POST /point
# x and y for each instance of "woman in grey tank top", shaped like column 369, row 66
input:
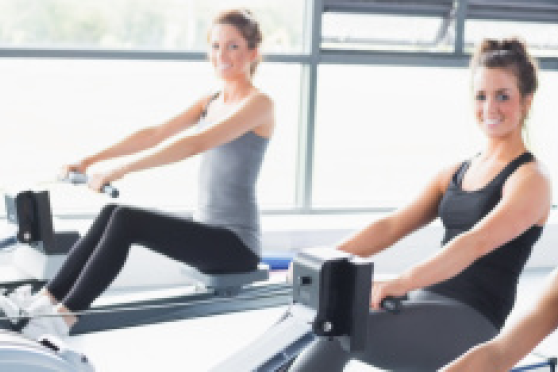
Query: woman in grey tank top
column 234, row 129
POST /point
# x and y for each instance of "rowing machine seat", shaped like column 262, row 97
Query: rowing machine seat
column 228, row 284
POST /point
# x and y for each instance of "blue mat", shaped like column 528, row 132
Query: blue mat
column 278, row 260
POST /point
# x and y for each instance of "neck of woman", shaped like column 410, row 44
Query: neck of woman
column 236, row 90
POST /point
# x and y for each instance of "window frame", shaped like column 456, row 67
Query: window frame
column 313, row 55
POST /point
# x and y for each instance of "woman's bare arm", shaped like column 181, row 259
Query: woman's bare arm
column 517, row 339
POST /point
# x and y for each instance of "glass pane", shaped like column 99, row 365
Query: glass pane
column 542, row 128
column 383, row 32
column 542, row 38
column 391, row 131
column 141, row 24
column 57, row 111
column 277, row 182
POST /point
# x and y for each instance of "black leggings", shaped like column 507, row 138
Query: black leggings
column 98, row 257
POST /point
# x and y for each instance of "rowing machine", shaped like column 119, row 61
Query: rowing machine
column 41, row 251
column 331, row 292
column 48, row 354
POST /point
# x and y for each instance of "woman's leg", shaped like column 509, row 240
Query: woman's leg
column 60, row 285
column 208, row 248
column 430, row 331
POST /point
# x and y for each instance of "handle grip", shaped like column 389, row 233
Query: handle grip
column 77, row 178
column 392, row 304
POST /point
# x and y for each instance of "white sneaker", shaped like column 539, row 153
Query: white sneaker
column 39, row 305
column 47, row 321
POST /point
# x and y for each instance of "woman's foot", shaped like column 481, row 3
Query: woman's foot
column 34, row 317
column 44, row 318
column 48, row 324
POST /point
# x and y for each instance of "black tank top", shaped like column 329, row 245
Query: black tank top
column 489, row 284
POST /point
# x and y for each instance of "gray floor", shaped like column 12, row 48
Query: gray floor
column 198, row 344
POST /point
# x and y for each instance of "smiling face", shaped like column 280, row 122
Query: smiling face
column 230, row 55
column 500, row 108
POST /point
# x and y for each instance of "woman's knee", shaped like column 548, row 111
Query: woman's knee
column 102, row 219
column 108, row 209
column 122, row 214
column 121, row 224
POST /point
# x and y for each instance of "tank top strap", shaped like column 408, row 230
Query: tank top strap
column 526, row 157
column 460, row 172
column 211, row 99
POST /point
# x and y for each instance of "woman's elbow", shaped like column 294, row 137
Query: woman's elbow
column 197, row 147
column 480, row 243
column 152, row 136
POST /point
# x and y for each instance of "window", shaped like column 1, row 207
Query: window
column 79, row 75
column 140, row 24
column 384, row 32
column 394, row 129
column 399, row 126
column 57, row 111
column 541, row 124
column 542, row 38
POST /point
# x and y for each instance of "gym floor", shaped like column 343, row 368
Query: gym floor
column 198, row 344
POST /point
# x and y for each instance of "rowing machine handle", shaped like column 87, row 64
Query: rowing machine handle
column 77, row 178
column 392, row 304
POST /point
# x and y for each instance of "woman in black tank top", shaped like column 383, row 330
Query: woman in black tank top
column 493, row 208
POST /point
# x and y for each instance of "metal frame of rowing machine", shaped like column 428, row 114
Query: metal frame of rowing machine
column 221, row 293
column 331, row 291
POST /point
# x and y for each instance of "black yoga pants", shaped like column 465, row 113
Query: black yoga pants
column 97, row 258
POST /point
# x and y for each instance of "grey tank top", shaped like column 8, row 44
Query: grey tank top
column 227, row 186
